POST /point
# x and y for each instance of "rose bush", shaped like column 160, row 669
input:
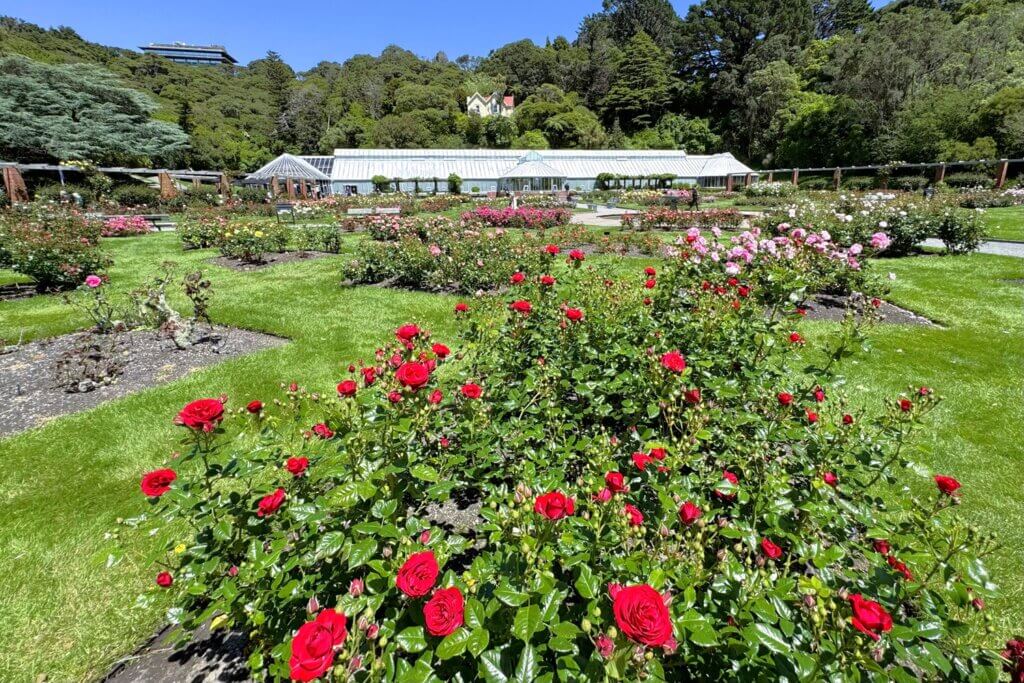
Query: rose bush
column 669, row 219
column 54, row 246
column 250, row 242
column 651, row 507
column 122, row 226
column 522, row 217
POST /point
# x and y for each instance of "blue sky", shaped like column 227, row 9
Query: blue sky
column 304, row 33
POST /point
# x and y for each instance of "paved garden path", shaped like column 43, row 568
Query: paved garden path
column 993, row 247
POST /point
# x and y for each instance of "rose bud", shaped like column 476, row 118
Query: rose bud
column 313, row 606
column 355, row 587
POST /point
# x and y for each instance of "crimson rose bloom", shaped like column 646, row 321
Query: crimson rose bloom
column 522, row 306
column 899, row 567
column 313, row 645
column 254, row 407
column 641, row 460
column 785, row 398
column 947, row 485
column 847, row 419
column 323, row 431
column 692, row 396
column 552, row 249
column 471, row 390
column 203, row 415
column 636, row 518
column 732, row 479
column 576, row 256
column 770, row 549
column 674, row 361
column 795, row 338
column 547, row 280
column 650, row 284
column 689, row 513
column 554, row 505
column 649, row 271
column 369, row 375
column 443, row 613
column 830, row 478
column 164, row 579
column 615, row 481
column 1014, row 654
column 516, row 278
column 435, row 396
column 461, row 308
column 869, row 617
column 347, row 388
column 882, row 546
column 641, row 615
column 905, row 405
column 158, row 482
column 270, row 503
column 413, row 375
column 440, row 350
column 418, row 575
column 574, row 314
column 408, row 332
column 296, row 465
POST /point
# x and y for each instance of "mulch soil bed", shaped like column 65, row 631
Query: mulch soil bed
column 29, row 395
column 268, row 260
column 827, row 307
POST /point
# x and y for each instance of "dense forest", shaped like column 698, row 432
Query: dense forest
column 778, row 83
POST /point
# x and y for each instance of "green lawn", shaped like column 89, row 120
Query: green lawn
column 66, row 615
column 1005, row 223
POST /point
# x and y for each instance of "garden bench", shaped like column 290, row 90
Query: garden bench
column 389, row 211
column 284, row 208
column 159, row 221
column 359, row 212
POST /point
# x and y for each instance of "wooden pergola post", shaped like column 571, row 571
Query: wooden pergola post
column 302, row 187
column 940, row 173
column 168, row 190
column 796, row 176
column 1004, row 166
column 837, row 177
column 747, row 179
column 289, row 188
column 275, row 189
column 225, row 186
column 771, row 176
column 728, row 183
column 14, row 185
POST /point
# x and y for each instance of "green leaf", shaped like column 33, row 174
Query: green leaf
column 412, row 639
column 526, row 670
column 424, row 472
column 769, row 637
column 454, row 644
column 361, row 553
column 330, row 544
column 474, row 614
column 510, row 596
column 587, row 583
column 490, row 667
column 526, row 622
column 477, row 642
column 421, row 673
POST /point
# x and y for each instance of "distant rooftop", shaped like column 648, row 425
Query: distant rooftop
column 186, row 53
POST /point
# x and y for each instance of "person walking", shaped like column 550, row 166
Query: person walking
column 695, row 199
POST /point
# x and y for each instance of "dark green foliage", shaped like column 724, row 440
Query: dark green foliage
column 135, row 195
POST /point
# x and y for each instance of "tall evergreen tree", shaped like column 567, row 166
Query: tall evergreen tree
column 641, row 91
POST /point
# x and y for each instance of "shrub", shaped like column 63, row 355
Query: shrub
column 250, row 242
column 454, row 183
column 774, row 189
column 861, row 183
column 201, row 196
column 909, row 183
column 962, row 231
column 522, row 217
column 54, row 246
column 817, row 183
column 666, row 494
column 668, row 219
column 250, row 195
column 125, row 226
column 52, row 192
column 968, row 179
column 200, row 232
column 320, row 238
column 135, row 195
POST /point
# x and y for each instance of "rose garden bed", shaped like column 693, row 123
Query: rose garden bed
column 30, row 395
column 267, row 260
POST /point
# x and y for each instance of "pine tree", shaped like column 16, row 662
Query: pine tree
column 641, row 92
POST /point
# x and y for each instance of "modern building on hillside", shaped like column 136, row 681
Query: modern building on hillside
column 495, row 170
column 491, row 105
column 183, row 53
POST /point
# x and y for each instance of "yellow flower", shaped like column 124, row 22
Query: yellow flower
column 218, row 621
column 180, row 548
column 259, row 233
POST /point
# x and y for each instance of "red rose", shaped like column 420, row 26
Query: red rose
column 554, row 505
column 770, row 549
column 732, row 479
column 369, row 376
column 296, row 465
column 435, row 396
column 689, row 513
column 795, row 338
column 443, row 613
column 604, row 645
column 407, row 333
column 471, row 390
column 882, row 546
column 647, row 301
column 347, row 387
column 899, row 567
column 649, row 271
column 202, row 415
column 254, row 407
column 418, row 575
column 615, row 481
column 947, row 485
column 869, row 617
column 830, row 478
column 441, row 351
column 522, row 306
column 657, row 453
column 636, row 518
column 461, row 308
column 785, row 398
column 819, row 394
column 692, row 396
column 576, row 256
column 270, row 503
column 516, row 278
column 650, row 284
column 604, row 495
column 847, row 419
column 413, row 375
column 641, row 614
column 1014, row 656
column 812, row 416
column 574, row 314
column 164, row 579
column 743, row 291
column 641, row 460
column 924, row 391
column 314, row 643
column 552, row 249
column 158, row 482
column 547, row 280
column 395, row 396
column 905, row 405
column 674, row 361
column 323, row 431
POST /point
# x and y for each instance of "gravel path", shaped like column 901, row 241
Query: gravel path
column 993, row 247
